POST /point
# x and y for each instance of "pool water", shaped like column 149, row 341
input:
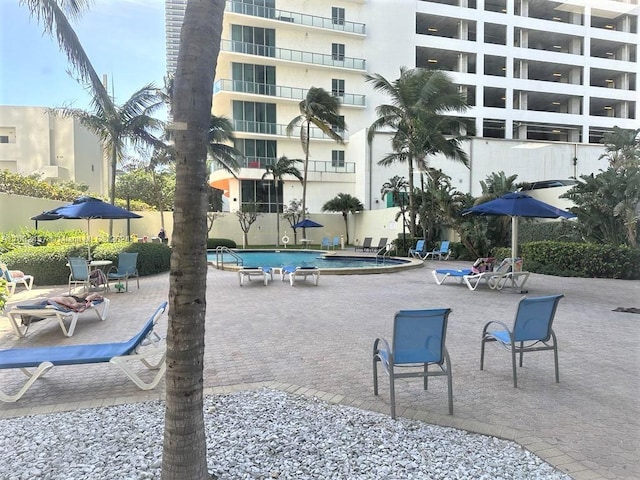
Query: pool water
column 300, row 258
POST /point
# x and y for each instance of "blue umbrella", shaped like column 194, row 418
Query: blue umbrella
column 517, row 205
column 307, row 223
column 86, row 208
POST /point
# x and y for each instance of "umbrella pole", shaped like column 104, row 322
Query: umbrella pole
column 89, row 239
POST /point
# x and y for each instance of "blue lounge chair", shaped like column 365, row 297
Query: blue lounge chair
column 14, row 280
column 336, row 242
column 20, row 315
column 441, row 274
column 418, row 341
column 442, row 253
column 325, row 243
column 247, row 272
column 120, row 354
column 127, row 268
column 418, row 250
column 531, row 331
column 300, row 273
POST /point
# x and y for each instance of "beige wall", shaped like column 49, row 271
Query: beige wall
column 16, row 211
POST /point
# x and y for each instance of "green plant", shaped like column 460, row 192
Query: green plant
column 4, row 293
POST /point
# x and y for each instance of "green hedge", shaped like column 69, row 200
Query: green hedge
column 48, row 263
column 588, row 260
column 212, row 243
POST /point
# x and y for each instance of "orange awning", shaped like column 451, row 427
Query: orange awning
column 221, row 185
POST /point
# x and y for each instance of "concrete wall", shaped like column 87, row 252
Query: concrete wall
column 16, row 211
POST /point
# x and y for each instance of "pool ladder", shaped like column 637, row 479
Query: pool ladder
column 384, row 253
column 220, row 252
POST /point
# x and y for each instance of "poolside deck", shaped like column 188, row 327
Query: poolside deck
column 317, row 341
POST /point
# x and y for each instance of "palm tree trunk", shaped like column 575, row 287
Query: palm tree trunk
column 412, row 209
column 345, row 215
column 306, row 172
column 277, row 216
column 184, row 450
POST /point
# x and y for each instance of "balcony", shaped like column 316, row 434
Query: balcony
column 292, row 93
column 289, row 55
column 296, row 18
column 316, row 166
column 277, row 129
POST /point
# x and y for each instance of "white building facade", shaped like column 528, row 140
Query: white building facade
column 33, row 140
column 545, row 80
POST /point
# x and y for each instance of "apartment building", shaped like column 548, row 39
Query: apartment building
column 33, row 140
column 545, row 80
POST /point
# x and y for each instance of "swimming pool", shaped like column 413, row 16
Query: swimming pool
column 331, row 262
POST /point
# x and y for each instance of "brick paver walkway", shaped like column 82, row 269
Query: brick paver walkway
column 318, row 341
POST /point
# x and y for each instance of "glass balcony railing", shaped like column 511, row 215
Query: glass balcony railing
column 296, row 18
column 293, row 55
column 278, row 129
column 314, row 165
column 293, row 93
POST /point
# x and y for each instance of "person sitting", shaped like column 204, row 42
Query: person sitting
column 162, row 235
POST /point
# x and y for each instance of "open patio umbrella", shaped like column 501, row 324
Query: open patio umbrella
column 86, row 208
column 307, row 223
column 517, row 205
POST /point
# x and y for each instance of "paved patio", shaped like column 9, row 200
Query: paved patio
column 317, row 341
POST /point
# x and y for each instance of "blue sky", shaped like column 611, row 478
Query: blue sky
column 123, row 39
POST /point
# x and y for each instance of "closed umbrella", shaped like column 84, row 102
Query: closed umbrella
column 86, row 208
column 517, row 205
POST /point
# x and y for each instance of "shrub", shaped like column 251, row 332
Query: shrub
column 562, row 231
column 212, row 243
column 48, row 264
column 579, row 259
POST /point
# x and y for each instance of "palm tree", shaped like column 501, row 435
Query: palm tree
column 319, row 108
column 622, row 147
column 345, row 204
column 494, row 186
column 419, row 115
column 284, row 166
column 220, row 135
column 184, row 451
column 130, row 122
column 397, row 187
column 54, row 16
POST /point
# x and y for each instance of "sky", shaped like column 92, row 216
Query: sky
column 124, row 39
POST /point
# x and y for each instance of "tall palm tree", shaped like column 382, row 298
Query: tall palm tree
column 321, row 109
column 622, row 147
column 184, row 452
column 397, row 187
column 345, row 204
column 284, row 166
column 419, row 114
column 131, row 122
column 494, row 186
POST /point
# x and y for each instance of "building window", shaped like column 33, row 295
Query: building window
column 337, row 158
column 254, row 117
column 4, row 138
column 339, row 128
column 337, row 87
column 253, row 40
column 262, row 193
column 337, row 15
column 337, row 51
column 257, row 153
column 250, row 78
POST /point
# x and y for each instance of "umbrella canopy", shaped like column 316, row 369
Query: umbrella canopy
column 306, row 223
column 86, row 208
column 517, row 205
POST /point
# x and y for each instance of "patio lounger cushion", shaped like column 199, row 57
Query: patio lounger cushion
column 117, row 353
column 22, row 315
column 247, row 272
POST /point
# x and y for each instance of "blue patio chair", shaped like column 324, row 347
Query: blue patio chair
column 336, row 242
column 531, row 331
column 418, row 341
column 127, row 268
column 325, row 243
column 418, row 250
column 442, row 253
column 80, row 274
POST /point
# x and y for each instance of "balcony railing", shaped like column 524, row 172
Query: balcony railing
column 293, row 93
column 293, row 55
column 296, row 18
column 278, row 129
column 319, row 166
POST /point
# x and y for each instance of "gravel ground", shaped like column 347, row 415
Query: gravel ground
column 263, row 434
